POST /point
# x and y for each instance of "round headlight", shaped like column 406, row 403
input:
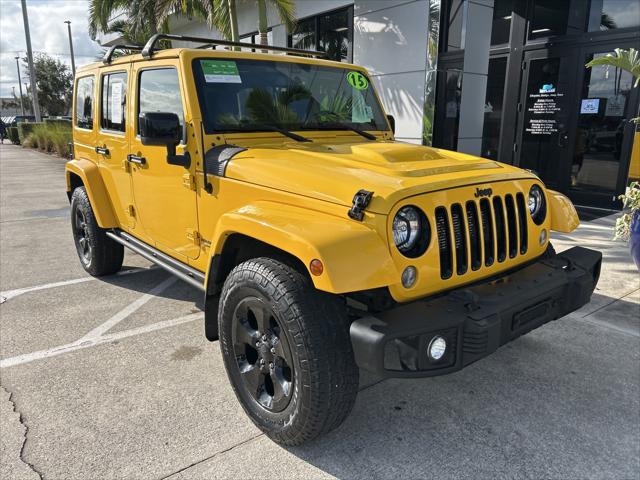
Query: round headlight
column 410, row 231
column 537, row 206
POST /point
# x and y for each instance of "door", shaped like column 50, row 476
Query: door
column 84, row 133
column 604, row 138
column 546, row 114
column 165, row 195
column 112, row 143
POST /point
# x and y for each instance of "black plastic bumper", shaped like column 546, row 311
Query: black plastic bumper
column 475, row 320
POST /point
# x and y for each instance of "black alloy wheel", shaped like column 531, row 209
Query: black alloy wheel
column 263, row 355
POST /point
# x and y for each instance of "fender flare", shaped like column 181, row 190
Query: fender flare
column 92, row 180
column 354, row 255
column 564, row 217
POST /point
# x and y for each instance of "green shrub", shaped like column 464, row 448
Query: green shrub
column 12, row 134
column 54, row 138
column 25, row 128
column 57, row 121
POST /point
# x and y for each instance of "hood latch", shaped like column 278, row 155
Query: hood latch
column 360, row 201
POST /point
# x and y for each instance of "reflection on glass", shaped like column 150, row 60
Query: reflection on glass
column 493, row 107
column 546, row 118
column 557, row 17
column 449, row 118
column 160, row 92
column 258, row 95
column 501, row 25
column 113, row 102
column 84, row 103
column 612, row 14
column 304, row 36
column 333, row 35
column 597, row 153
column 456, row 24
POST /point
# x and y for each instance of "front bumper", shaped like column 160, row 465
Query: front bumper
column 476, row 320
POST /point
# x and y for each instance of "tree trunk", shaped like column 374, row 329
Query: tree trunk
column 262, row 22
column 233, row 20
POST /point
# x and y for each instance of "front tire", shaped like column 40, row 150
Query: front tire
column 287, row 351
column 98, row 254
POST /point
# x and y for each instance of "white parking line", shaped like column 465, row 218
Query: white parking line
column 83, row 343
column 9, row 294
column 129, row 309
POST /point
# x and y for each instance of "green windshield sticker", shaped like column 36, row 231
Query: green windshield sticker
column 357, row 80
column 220, row 71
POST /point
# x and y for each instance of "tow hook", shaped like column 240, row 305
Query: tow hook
column 360, row 201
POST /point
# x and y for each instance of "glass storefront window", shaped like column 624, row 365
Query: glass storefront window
column 612, row 14
column 456, row 13
column 333, row 35
column 449, row 118
column 501, row 25
column 601, row 123
column 550, row 18
column 330, row 32
column 493, row 107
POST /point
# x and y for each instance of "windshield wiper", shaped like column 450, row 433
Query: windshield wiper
column 283, row 131
column 343, row 126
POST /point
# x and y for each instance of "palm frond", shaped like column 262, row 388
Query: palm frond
column 627, row 60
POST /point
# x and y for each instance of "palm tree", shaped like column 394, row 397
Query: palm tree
column 286, row 10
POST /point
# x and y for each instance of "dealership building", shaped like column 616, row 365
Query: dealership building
column 503, row 79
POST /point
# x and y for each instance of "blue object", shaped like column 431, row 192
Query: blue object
column 634, row 238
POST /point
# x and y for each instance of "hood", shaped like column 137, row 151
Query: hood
column 392, row 170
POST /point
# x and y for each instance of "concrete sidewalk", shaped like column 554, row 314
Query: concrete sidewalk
column 149, row 398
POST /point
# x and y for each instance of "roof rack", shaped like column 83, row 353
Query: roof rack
column 148, row 49
column 107, row 56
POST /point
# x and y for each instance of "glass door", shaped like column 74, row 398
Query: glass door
column 545, row 138
column 604, row 133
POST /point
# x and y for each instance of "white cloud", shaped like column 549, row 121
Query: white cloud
column 48, row 34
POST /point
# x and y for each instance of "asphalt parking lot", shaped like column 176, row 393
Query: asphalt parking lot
column 113, row 378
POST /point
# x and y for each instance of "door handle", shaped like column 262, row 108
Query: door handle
column 137, row 160
column 102, row 150
column 563, row 139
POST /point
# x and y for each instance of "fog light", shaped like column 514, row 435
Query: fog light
column 437, row 347
column 409, row 276
column 543, row 236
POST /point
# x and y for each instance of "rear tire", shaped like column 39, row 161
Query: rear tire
column 287, row 351
column 98, row 254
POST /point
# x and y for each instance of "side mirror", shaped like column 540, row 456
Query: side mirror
column 392, row 122
column 163, row 129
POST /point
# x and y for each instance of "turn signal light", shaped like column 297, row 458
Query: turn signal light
column 316, row 267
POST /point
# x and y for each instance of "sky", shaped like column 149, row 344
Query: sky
column 48, row 34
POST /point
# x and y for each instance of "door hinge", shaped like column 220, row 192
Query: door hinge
column 131, row 211
column 519, row 107
column 189, row 181
column 524, row 65
column 194, row 236
column 515, row 147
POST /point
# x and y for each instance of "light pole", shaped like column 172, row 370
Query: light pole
column 32, row 70
column 73, row 62
column 20, row 85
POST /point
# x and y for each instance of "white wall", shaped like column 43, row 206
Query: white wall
column 390, row 40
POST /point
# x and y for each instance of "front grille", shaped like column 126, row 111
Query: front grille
column 482, row 231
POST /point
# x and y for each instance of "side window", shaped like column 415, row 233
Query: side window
column 114, row 92
column 160, row 92
column 84, row 103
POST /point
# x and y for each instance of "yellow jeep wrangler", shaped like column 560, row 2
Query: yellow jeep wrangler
column 273, row 183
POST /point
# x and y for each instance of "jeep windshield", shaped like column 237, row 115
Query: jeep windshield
column 257, row 95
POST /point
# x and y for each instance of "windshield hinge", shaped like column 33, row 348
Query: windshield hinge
column 189, row 181
column 360, row 201
column 194, row 236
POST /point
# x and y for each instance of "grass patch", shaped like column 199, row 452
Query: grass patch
column 50, row 137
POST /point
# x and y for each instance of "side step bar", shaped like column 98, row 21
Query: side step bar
column 184, row 272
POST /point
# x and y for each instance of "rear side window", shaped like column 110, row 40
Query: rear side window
column 113, row 111
column 160, row 92
column 84, row 103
